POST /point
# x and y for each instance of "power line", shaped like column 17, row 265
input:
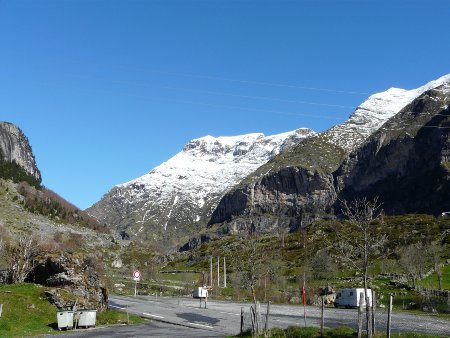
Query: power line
column 213, row 77
column 262, row 83
column 269, row 98
column 202, row 103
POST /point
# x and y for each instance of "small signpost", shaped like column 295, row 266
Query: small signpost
column 137, row 278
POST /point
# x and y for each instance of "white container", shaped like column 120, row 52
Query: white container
column 87, row 317
column 65, row 319
column 200, row 293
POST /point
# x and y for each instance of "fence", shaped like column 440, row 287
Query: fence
column 282, row 317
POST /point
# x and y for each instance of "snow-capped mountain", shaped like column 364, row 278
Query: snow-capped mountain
column 185, row 190
column 181, row 194
column 374, row 112
column 302, row 184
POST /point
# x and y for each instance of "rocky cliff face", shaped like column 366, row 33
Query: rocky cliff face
column 177, row 198
column 304, row 183
column 14, row 147
column 406, row 163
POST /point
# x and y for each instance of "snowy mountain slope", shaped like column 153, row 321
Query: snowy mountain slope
column 185, row 190
column 297, row 186
column 375, row 111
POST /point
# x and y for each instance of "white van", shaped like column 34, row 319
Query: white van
column 349, row 297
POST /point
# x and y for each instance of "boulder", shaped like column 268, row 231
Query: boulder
column 73, row 279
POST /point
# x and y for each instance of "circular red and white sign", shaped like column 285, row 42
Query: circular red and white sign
column 136, row 274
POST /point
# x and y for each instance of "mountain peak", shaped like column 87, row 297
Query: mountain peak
column 370, row 115
column 185, row 189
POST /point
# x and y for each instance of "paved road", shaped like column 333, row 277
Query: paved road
column 150, row 329
column 223, row 318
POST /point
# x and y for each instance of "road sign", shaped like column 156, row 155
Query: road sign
column 136, row 275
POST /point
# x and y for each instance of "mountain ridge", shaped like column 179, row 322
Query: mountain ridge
column 184, row 189
column 290, row 196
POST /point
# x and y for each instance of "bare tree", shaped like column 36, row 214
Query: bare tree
column 360, row 241
column 253, row 266
column 250, row 264
column 20, row 257
column 414, row 262
column 322, row 264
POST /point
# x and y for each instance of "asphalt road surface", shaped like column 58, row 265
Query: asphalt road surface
column 222, row 318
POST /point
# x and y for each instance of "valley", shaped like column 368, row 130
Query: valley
column 277, row 208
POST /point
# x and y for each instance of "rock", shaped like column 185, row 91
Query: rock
column 328, row 290
column 14, row 146
column 295, row 300
column 117, row 263
column 430, row 309
column 71, row 282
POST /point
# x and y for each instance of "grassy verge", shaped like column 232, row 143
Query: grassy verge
column 112, row 317
column 339, row 332
column 26, row 312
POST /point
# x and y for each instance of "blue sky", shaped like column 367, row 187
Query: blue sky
column 107, row 90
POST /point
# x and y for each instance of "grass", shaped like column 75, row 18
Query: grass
column 339, row 332
column 112, row 317
column 26, row 312
column 432, row 282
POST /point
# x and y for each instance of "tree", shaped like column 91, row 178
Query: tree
column 360, row 240
column 322, row 264
column 414, row 262
column 20, row 256
column 252, row 266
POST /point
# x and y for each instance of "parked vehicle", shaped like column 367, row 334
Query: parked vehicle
column 349, row 297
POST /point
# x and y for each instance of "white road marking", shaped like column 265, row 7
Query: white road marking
column 117, row 307
column 229, row 313
column 149, row 314
column 209, row 327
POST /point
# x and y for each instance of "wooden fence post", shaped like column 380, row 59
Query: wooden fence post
column 266, row 325
column 374, row 305
column 254, row 320
column 322, row 319
column 258, row 318
column 360, row 314
column 388, row 329
column 242, row 320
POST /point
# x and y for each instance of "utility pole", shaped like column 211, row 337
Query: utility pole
column 210, row 271
column 224, row 273
column 218, row 272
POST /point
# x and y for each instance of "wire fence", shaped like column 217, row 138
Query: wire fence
column 396, row 322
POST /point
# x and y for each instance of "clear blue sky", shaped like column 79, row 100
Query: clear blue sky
column 107, row 90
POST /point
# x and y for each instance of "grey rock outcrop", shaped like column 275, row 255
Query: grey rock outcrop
column 72, row 279
column 285, row 199
column 14, row 146
column 406, row 163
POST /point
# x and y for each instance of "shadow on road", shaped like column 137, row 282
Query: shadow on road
column 195, row 317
